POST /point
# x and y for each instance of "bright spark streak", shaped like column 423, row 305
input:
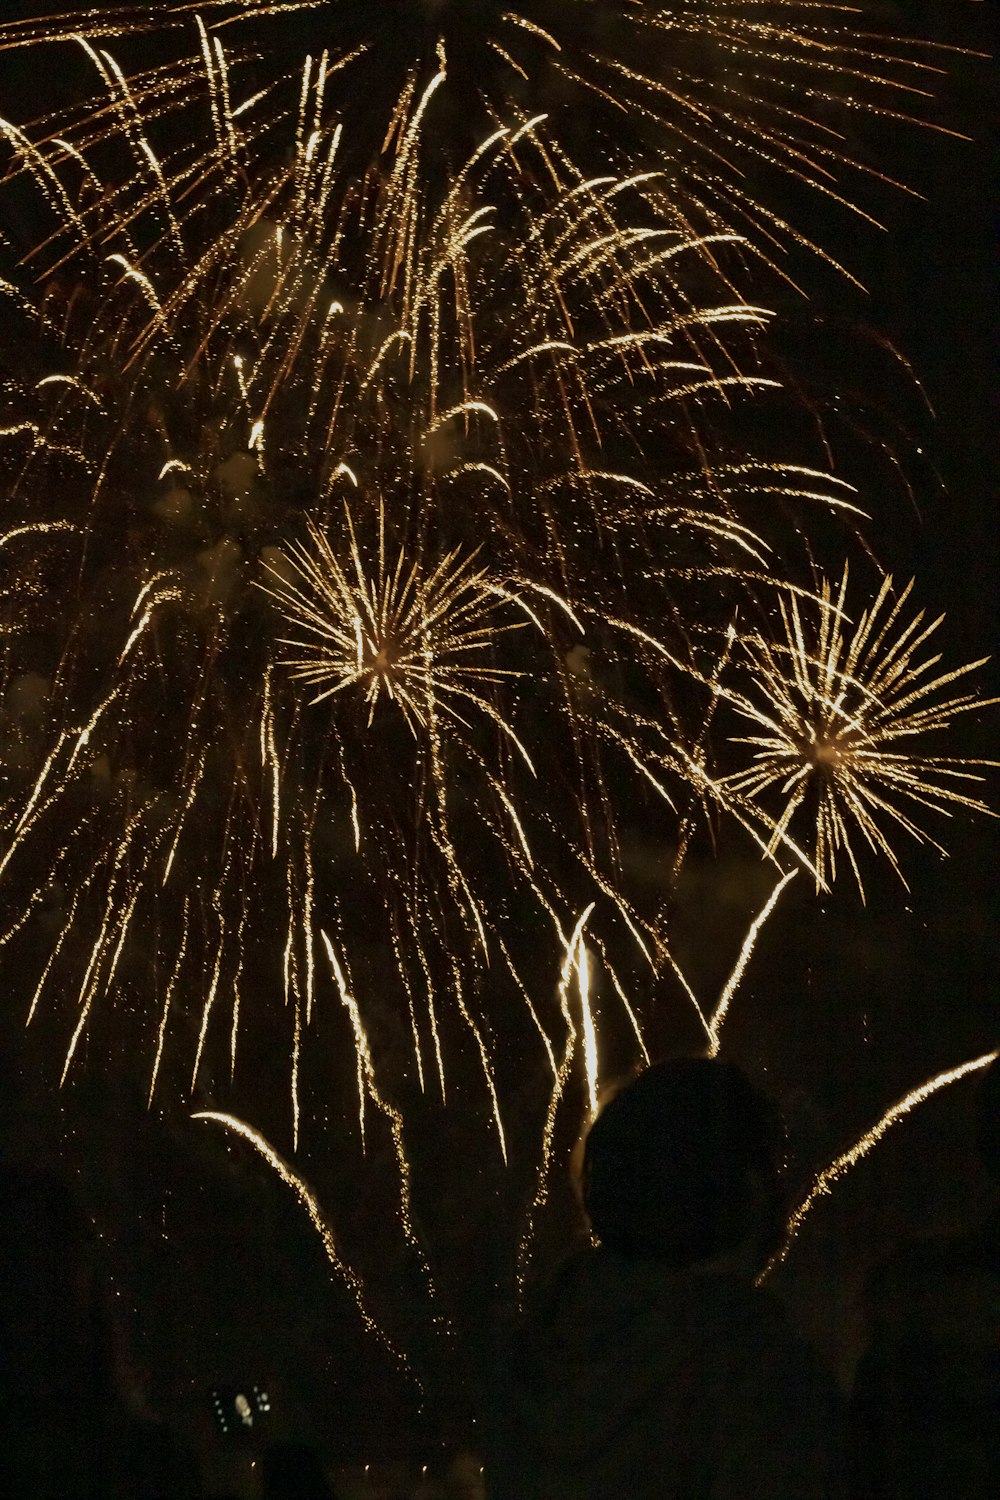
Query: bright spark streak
column 581, row 964
column 569, row 969
column 131, row 274
column 174, row 466
column 73, row 383
column 842, row 1164
column 213, row 988
column 739, row 969
column 307, row 1198
column 162, row 1029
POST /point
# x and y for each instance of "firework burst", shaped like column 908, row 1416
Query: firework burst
column 832, row 702
column 371, row 526
column 517, row 375
column 234, row 376
column 417, row 636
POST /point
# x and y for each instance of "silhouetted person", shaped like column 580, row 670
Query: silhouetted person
column 926, row 1405
column 55, row 1366
column 652, row 1366
column 293, row 1471
column 66, row 1433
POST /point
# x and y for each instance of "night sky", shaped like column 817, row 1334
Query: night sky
column 845, row 1007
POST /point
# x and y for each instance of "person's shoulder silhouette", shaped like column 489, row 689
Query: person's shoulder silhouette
column 653, row 1366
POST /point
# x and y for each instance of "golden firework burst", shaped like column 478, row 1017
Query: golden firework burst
column 831, row 702
column 417, row 634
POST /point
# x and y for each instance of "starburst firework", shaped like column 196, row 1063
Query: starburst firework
column 832, row 702
column 418, row 636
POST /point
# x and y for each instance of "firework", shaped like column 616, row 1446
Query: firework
column 419, row 640
column 832, row 701
column 342, row 452
column 315, row 483
column 825, row 1180
column 727, row 99
column 373, row 527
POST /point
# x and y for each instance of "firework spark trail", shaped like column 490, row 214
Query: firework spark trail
column 307, row 1198
column 721, row 1010
column 581, row 965
column 571, row 967
column 167, row 997
column 121, row 898
column 367, row 1083
column 825, row 1180
column 626, row 1003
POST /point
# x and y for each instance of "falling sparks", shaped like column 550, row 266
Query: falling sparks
column 729, row 90
column 574, row 967
column 307, row 1198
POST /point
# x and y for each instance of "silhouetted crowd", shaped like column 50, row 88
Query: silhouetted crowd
column 656, row 1365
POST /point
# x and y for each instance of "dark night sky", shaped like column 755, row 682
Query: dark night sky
column 844, row 1008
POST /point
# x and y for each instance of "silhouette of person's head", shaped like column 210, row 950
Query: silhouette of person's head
column 988, row 1125
column 684, row 1164
column 293, row 1471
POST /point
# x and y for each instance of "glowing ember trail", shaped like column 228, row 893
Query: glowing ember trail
column 308, row 1200
column 838, row 1168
